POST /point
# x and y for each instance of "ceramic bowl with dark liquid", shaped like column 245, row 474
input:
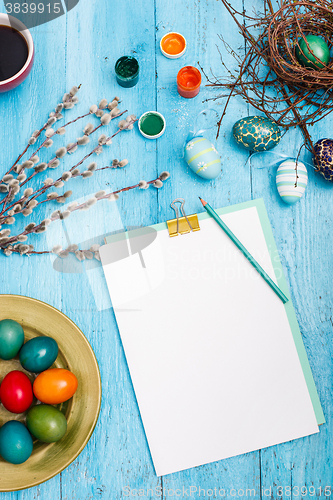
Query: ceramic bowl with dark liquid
column 16, row 52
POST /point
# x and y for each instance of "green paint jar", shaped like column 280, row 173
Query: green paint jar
column 152, row 124
column 127, row 71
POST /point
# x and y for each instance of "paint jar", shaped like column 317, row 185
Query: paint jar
column 127, row 71
column 188, row 81
column 152, row 124
column 173, row 45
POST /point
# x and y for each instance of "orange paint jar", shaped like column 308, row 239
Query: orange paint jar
column 188, row 81
column 173, row 45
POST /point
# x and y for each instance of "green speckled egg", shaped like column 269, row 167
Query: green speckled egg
column 256, row 133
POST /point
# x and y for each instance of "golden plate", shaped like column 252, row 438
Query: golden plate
column 75, row 354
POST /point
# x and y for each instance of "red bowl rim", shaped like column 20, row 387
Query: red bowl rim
column 7, row 20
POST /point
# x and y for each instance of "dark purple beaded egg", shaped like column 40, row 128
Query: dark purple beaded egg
column 323, row 160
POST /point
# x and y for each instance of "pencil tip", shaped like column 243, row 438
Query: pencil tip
column 200, row 198
column 203, row 201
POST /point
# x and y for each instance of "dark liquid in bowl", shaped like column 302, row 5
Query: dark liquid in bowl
column 13, row 52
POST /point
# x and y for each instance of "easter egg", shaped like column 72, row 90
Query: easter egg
column 46, row 423
column 318, row 47
column 55, row 386
column 38, row 354
column 16, row 392
column 256, row 133
column 323, row 160
column 11, row 338
column 202, row 158
column 15, row 442
column 291, row 180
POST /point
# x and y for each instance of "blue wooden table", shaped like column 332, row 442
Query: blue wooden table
column 81, row 48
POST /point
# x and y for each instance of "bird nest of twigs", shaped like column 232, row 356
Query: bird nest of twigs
column 286, row 28
column 270, row 76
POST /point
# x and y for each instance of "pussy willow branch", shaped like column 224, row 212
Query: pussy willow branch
column 74, row 145
column 97, row 147
column 56, row 133
column 42, row 190
column 67, row 99
column 14, row 239
column 70, row 98
column 56, row 115
column 15, row 250
column 60, row 196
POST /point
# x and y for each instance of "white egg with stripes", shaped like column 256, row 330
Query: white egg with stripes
column 291, row 180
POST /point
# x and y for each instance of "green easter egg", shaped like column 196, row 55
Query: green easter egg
column 11, row 338
column 319, row 48
column 46, row 423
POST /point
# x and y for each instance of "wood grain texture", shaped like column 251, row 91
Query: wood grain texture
column 81, row 48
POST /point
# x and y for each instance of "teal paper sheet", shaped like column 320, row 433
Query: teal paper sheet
column 267, row 230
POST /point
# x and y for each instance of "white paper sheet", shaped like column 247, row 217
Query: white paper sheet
column 208, row 344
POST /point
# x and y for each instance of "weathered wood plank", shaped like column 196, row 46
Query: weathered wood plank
column 82, row 47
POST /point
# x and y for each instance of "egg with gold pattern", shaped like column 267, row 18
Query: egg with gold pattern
column 256, row 133
column 323, row 160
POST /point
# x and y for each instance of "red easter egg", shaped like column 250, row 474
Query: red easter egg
column 16, row 392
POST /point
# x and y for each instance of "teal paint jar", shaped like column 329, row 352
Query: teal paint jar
column 152, row 124
column 127, row 71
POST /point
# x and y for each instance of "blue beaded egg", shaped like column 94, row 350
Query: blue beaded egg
column 291, row 180
column 323, row 160
column 256, row 133
column 202, row 158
